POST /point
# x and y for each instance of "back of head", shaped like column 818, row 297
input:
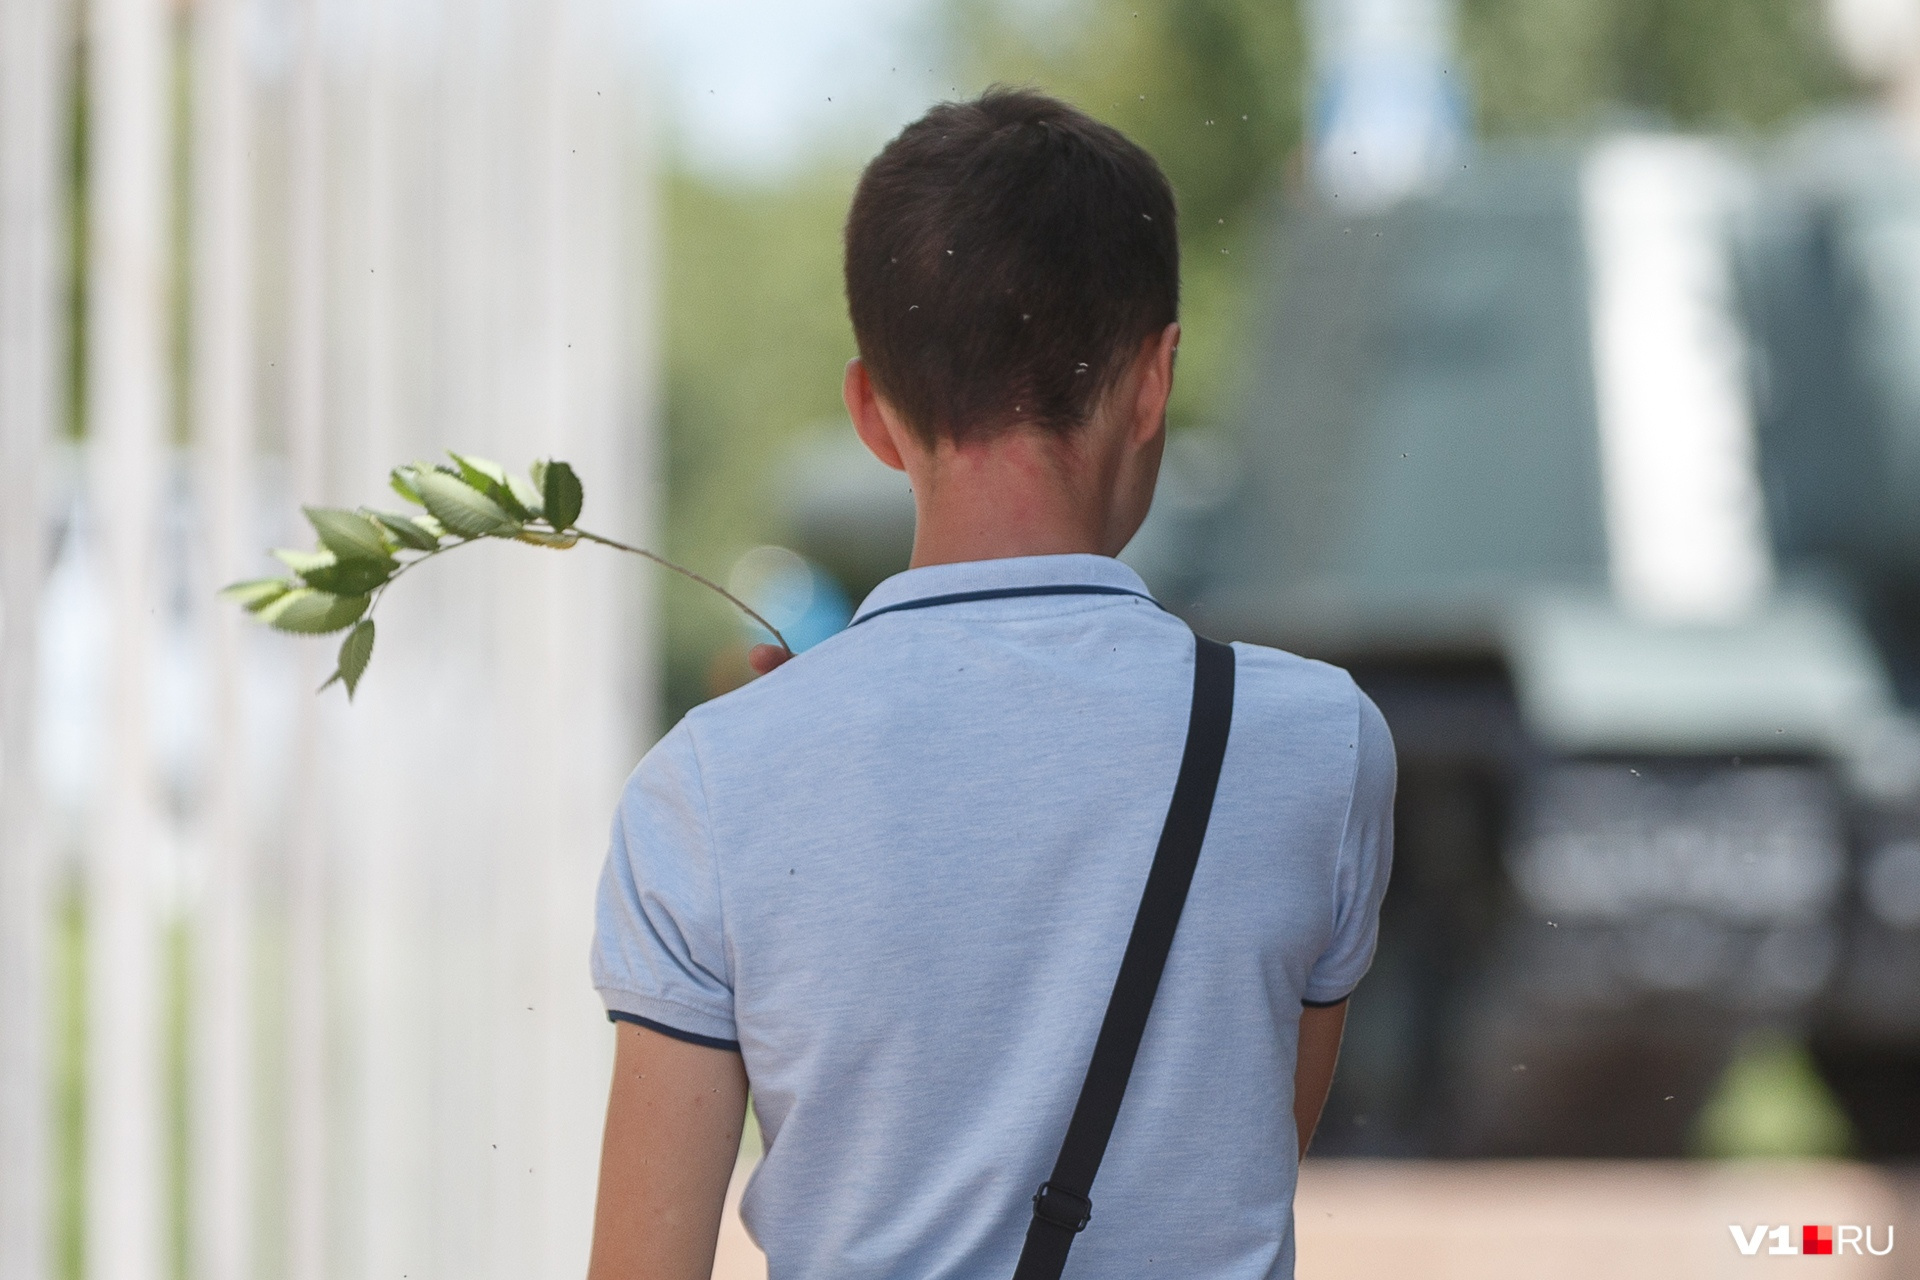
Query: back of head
column 1005, row 259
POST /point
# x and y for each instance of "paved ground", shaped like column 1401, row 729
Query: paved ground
column 1556, row 1220
column 1570, row 1220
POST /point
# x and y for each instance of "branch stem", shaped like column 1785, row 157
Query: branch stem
column 584, row 536
column 405, row 565
column 706, row 582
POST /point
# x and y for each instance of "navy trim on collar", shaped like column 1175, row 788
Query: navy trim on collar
column 1004, row 593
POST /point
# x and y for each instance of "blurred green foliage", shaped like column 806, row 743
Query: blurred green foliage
column 756, row 339
column 1772, row 1103
column 756, row 333
column 1716, row 64
column 69, row 1182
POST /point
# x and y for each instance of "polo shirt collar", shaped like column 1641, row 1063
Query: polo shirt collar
column 995, row 575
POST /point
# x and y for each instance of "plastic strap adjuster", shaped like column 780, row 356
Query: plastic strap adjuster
column 1062, row 1208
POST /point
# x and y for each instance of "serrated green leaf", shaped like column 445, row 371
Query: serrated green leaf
column 541, row 538
column 349, row 535
column 490, row 478
column 401, row 479
column 562, row 495
column 257, row 593
column 306, row 611
column 477, row 471
column 538, row 470
column 304, row 562
column 461, row 508
column 270, row 612
column 408, row 531
column 350, row 577
column 433, row 528
column 527, row 495
column 508, row 503
column 355, row 650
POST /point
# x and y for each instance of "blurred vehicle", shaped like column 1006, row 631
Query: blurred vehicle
column 1531, row 455
column 1522, row 455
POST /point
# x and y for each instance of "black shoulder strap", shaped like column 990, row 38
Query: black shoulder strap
column 1063, row 1206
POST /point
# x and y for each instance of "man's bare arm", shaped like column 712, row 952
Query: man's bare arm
column 673, row 1132
column 1320, row 1031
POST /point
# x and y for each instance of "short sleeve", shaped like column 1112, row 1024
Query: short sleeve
column 1365, row 860
column 659, row 945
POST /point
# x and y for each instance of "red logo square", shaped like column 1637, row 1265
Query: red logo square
column 1816, row 1240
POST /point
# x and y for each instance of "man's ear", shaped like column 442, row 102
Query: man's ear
column 869, row 419
column 1156, row 382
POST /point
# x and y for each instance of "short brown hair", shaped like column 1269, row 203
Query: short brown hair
column 1005, row 258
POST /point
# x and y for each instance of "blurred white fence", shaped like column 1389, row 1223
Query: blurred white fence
column 402, row 226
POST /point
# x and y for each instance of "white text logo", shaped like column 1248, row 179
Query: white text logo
column 1810, row 1241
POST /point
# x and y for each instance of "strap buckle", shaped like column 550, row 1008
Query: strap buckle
column 1062, row 1208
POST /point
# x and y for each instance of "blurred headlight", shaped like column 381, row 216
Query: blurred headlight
column 1613, row 842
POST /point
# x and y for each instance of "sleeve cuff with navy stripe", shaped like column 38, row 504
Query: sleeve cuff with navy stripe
column 681, row 1019
column 710, row 1042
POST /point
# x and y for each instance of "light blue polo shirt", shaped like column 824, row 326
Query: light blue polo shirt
column 898, row 874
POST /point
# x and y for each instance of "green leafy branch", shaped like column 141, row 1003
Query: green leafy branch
column 362, row 553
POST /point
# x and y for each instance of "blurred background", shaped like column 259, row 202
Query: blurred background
column 1554, row 365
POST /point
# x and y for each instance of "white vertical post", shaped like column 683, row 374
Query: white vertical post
column 126, row 380
column 587, row 653
column 306, row 1081
column 33, row 52
column 221, row 1062
column 393, row 1221
column 473, row 208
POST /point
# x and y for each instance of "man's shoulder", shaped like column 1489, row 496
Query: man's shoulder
column 1269, row 679
column 811, row 703
column 1307, row 704
column 805, row 694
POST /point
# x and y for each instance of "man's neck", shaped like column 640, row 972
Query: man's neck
column 1018, row 495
